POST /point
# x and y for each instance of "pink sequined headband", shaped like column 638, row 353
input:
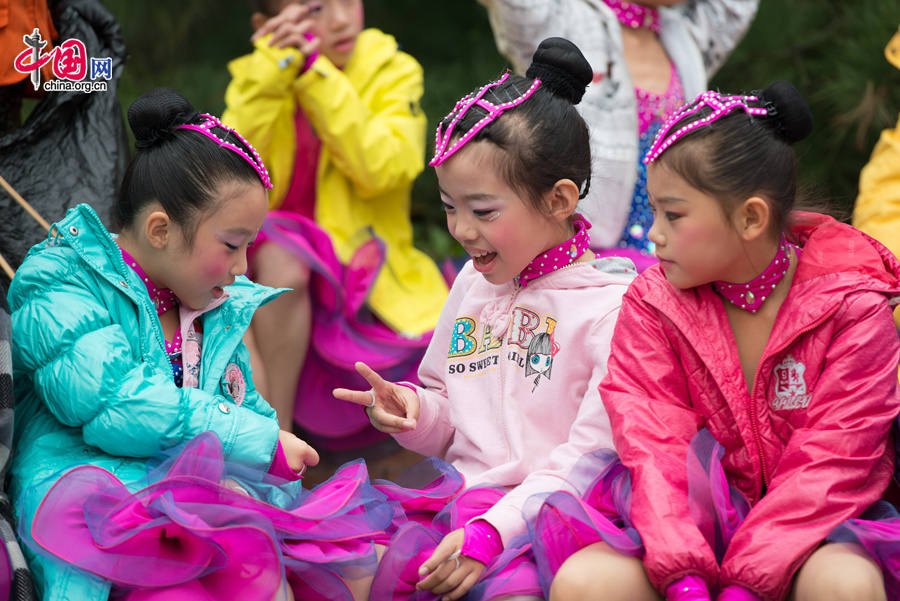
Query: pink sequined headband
column 205, row 128
column 442, row 138
column 721, row 106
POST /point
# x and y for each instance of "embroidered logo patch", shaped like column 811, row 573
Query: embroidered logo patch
column 234, row 383
column 790, row 387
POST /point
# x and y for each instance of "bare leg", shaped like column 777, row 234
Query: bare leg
column 839, row 572
column 598, row 572
column 282, row 327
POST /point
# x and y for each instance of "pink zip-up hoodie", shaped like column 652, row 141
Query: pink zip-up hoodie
column 809, row 448
column 510, row 381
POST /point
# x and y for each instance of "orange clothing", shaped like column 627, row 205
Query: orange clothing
column 18, row 18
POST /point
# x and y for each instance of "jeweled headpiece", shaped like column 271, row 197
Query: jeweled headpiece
column 442, row 147
column 720, row 104
column 255, row 161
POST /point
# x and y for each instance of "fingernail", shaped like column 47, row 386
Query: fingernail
column 423, row 570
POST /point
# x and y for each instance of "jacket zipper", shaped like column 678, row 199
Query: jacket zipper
column 754, row 425
column 504, row 353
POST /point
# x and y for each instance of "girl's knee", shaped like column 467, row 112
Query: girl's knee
column 599, row 572
column 274, row 266
column 839, row 572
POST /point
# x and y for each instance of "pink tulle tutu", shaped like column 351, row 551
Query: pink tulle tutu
column 877, row 530
column 566, row 524
column 343, row 332
column 200, row 528
column 427, row 515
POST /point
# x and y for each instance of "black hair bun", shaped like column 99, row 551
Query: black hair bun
column 562, row 68
column 154, row 116
column 792, row 117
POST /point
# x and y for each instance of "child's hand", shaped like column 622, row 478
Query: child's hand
column 298, row 453
column 291, row 27
column 449, row 573
column 392, row 408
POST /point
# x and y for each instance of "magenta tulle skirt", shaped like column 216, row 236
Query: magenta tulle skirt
column 566, row 524
column 425, row 516
column 200, row 528
column 343, row 331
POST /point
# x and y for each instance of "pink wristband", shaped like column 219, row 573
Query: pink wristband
column 280, row 467
column 688, row 588
column 481, row 541
column 735, row 592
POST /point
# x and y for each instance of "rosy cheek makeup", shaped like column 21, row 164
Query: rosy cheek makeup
column 214, row 269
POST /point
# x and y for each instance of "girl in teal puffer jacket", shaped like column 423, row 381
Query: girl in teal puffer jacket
column 129, row 346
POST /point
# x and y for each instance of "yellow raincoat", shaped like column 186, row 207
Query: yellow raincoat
column 372, row 130
column 877, row 210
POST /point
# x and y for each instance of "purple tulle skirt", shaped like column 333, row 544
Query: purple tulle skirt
column 566, row 524
column 200, row 528
column 343, row 331
column 424, row 516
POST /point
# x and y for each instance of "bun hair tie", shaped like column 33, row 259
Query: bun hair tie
column 790, row 114
column 156, row 115
column 562, row 67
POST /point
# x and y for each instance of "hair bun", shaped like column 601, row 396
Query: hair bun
column 792, row 117
column 562, row 68
column 154, row 116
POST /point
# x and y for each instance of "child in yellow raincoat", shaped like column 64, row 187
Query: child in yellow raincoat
column 334, row 111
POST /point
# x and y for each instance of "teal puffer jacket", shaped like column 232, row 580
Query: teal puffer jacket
column 94, row 385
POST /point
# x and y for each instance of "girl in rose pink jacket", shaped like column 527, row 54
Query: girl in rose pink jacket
column 509, row 382
column 771, row 331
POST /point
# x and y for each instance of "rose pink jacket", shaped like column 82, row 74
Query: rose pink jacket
column 809, row 448
column 490, row 408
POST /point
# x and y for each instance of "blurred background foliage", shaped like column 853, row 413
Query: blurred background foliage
column 832, row 50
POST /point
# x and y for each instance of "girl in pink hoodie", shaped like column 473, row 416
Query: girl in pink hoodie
column 509, row 394
column 769, row 332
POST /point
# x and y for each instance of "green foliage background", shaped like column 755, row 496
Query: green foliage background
column 832, row 50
